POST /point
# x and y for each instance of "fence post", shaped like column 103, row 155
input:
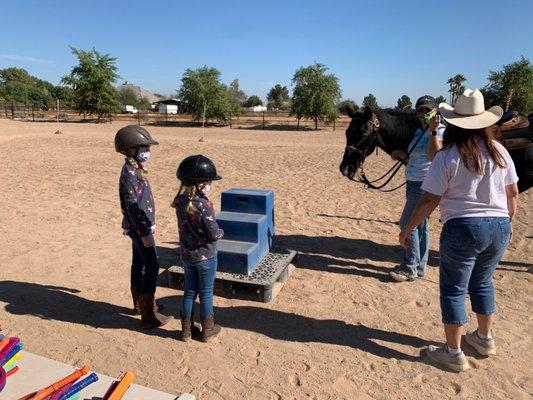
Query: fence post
column 334, row 119
column 263, row 120
column 5, row 109
column 138, row 117
column 298, row 126
column 166, row 116
column 12, row 111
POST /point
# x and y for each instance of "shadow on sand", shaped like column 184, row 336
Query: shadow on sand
column 65, row 304
column 322, row 253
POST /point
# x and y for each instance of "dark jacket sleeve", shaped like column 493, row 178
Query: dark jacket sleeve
column 212, row 231
column 136, row 216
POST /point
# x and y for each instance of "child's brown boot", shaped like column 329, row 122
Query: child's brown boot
column 149, row 317
column 209, row 329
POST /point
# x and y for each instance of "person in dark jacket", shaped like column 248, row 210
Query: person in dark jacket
column 138, row 222
column 198, row 233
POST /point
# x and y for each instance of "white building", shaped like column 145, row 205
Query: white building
column 167, row 108
column 257, row 109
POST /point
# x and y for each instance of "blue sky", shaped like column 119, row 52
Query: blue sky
column 388, row 48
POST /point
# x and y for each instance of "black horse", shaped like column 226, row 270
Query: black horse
column 391, row 129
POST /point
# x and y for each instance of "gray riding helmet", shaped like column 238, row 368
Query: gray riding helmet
column 133, row 136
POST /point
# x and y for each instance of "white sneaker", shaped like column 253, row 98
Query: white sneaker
column 442, row 357
column 484, row 347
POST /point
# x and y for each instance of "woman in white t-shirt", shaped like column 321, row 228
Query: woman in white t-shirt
column 473, row 178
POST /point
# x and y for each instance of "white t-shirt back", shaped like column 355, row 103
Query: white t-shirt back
column 466, row 194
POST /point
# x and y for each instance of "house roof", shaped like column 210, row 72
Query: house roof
column 169, row 101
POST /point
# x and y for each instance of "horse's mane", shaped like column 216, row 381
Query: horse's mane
column 397, row 126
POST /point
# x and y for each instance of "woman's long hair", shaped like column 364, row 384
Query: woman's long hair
column 467, row 142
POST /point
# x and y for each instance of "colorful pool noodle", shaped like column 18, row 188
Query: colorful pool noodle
column 12, row 343
column 12, row 371
column 116, row 392
column 79, row 386
column 3, row 343
column 58, row 393
column 12, row 362
column 12, row 353
column 43, row 393
column 3, row 379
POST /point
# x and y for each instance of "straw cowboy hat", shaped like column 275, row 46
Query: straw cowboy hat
column 469, row 111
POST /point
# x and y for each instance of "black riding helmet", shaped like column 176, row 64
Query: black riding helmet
column 426, row 101
column 197, row 168
column 132, row 136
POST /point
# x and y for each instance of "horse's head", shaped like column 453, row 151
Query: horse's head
column 360, row 141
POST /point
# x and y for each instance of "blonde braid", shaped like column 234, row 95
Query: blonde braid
column 189, row 192
column 131, row 161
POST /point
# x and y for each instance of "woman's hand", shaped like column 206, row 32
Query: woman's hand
column 404, row 238
column 434, row 124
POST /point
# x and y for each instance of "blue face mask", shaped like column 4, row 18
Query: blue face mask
column 143, row 156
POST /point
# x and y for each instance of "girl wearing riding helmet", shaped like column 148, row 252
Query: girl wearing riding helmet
column 138, row 222
column 198, row 234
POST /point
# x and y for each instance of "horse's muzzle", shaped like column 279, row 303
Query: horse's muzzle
column 348, row 170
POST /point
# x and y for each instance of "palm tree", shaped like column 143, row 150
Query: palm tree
column 456, row 87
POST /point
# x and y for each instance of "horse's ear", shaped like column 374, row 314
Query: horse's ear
column 349, row 110
column 368, row 113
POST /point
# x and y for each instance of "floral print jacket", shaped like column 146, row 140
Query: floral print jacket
column 198, row 228
column 136, row 202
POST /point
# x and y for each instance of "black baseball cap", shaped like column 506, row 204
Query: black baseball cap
column 426, row 101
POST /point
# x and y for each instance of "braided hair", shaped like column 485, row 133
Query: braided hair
column 135, row 164
column 188, row 191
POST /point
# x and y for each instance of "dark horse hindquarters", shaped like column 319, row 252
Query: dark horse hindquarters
column 396, row 129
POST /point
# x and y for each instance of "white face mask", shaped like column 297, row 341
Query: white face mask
column 205, row 190
column 143, row 156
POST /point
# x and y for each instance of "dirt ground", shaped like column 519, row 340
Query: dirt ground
column 338, row 329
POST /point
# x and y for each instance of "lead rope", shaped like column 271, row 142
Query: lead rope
column 398, row 165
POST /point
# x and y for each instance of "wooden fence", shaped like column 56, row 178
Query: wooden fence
column 267, row 120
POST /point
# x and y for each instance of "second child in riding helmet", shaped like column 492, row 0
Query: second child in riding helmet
column 138, row 222
column 198, row 233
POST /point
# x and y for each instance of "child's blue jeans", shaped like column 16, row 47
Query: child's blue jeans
column 199, row 281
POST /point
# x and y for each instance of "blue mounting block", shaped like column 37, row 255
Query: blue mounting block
column 247, row 218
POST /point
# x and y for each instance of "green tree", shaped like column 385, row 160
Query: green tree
column 511, row 87
column 236, row 93
column 144, row 104
column 278, row 97
column 17, row 86
column 128, row 97
column 371, row 101
column 205, row 95
column 315, row 94
column 440, row 99
column 341, row 107
column 404, row 103
column 456, row 87
column 92, row 83
column 253, row 101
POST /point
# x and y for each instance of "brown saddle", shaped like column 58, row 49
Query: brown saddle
column 517, row 122
column 517, row 131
